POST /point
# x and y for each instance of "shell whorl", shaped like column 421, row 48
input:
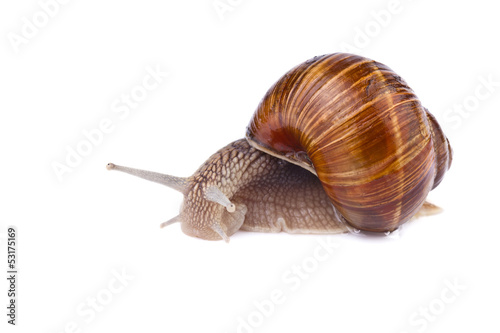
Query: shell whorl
column 362, row 130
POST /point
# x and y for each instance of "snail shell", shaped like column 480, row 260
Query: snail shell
column 339, row 140
column 360, row 128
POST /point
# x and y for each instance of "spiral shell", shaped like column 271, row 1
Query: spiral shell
column 358, row 126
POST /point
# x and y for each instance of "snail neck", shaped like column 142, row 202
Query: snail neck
column 230, row 168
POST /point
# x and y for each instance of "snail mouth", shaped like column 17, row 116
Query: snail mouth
column 299, row 158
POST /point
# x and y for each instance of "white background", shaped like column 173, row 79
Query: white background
column 77, row 233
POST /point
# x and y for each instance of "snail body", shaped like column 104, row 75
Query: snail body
column 339, row 141
column 266, row 194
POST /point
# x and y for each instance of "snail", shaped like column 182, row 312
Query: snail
column 339, row 143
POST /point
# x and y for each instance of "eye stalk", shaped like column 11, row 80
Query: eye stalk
column 177, row 183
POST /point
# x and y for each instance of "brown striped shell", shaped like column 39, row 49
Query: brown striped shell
column 358, row 126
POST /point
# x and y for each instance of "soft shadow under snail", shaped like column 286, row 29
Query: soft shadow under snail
column 340, row 142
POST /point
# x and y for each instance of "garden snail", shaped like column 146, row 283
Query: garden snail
column 338, row 142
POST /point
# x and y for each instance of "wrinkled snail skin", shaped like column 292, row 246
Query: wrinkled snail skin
column 339, row 142
column 240, row 187
column 362, row 130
